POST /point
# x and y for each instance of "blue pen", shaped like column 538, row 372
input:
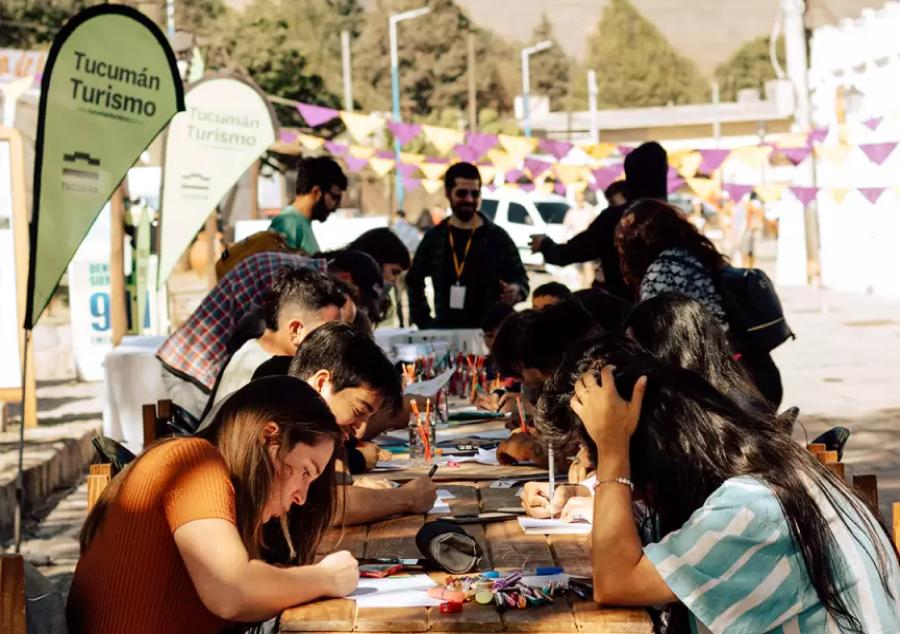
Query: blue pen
column 543, row 571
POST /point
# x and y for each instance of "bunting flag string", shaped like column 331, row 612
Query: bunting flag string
column 361, row 126
column 517, row 146
column 443, row 139
column 316, row 116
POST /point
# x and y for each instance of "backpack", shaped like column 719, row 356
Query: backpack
column 753, row 309
column 256, row 243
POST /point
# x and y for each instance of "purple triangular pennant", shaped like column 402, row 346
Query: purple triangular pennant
column 872, row 194
column 316, row 115
column 388, row 154
column 467, row 153
column 795, row 155
column 355, row 164
column 336, row 149
column 606, row 176
column 287, row 136
column 804, row 194
column 878, row 152
column 873, row 123
column 407, row 170
column 410, row 184
column 559, row 149
column 712, row 160
column 481, row 142
column 736, row 192
column 404, row 132
column 513, row 176
column 536, row 166
column 440, row 160
column 527, row 187
column 560, row 188
column 625, row 150
column 818, row 135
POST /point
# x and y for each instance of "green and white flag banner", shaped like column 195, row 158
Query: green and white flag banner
column 110, row 85
column 228, row 124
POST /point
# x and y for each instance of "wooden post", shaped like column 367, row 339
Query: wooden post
column 816, row 448
column 96, row 483
column 896, row 512
column 828, row 457
column 211, row 230
column 117, row 266
column 473, row 92
column 21, row 246
column 149, row 418
column 12, row 594
column 867, row 487
column 254, row 190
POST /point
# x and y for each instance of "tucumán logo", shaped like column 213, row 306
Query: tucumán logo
column 77, row 175
column 195, row 185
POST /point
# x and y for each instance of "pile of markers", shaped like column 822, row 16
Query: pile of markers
column 507, row 592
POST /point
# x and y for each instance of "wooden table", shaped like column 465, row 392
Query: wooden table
column 505, row 547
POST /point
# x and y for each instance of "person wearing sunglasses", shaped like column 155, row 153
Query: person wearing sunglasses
column 472, row 262
column 320, row 186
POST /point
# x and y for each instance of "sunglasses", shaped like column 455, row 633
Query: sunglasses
column 468, row 193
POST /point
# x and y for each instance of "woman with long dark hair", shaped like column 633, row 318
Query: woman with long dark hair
column 177, row 543
column 758, row 536
column 662, row 252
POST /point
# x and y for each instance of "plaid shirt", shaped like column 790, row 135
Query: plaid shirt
column 196, row 351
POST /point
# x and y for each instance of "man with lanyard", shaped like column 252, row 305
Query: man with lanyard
column 472, row 262
column 320, row 185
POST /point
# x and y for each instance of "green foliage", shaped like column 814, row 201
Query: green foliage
column 635, row 64
column 748, row 67
column 27, row 24
column 550, row 69
column 433, row 61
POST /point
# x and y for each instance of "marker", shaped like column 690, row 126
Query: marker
column 432, row 470
column 552, row 468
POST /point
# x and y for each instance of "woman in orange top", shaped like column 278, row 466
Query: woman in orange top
column 177, row 543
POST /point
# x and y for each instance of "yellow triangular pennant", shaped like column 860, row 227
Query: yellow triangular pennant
column 570, row 174
column 503, row 161
column 361, row 126
column 689, row 164
column 770, row 192
column 488, row 172
column 839, row 194
column 433, row 171
column 381, row 166
column 432, row 186
column 834, row 155
column 362, row 152
column 311, row 143
column 705, row 188
column 600, row 151
column 411, row 159
column 545, row 187
column 793, row 139
column 754, row 156
column 517, row 146
column 444, row 139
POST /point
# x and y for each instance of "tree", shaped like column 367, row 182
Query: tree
column 28, row 25
column 433, row 59
column 550, row 69
column 636, row 65
column 748, row 67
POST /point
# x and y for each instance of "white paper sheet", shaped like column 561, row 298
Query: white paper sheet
column 533, row 526
column 488, row 456
column 394, row 592
column 430, row 388
column 440, row 504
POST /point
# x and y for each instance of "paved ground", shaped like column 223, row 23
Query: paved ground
column 839, row 371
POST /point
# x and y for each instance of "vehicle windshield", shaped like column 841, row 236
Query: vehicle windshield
column 552, row 212
column 489, row 208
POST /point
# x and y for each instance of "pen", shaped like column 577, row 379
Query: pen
column 551, row 468
column 521, row 415
column 432, row 470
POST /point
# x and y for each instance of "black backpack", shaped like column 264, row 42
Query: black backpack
column 753, row 309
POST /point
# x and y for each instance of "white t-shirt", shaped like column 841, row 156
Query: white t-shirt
column 241, row 367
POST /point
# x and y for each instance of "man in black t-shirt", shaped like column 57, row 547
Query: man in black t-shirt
column 472, row 262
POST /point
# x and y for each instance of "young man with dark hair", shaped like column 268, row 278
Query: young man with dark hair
column 300, row 301
column 320, row 186
column 616, row 194
column 356, row 379
column 472, row 262
column 549, row 294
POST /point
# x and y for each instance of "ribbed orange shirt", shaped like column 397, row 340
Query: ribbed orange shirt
column 131, row 579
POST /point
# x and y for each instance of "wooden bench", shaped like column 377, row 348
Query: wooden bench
column 12, row 594
column 505, row 547
column 97, row 480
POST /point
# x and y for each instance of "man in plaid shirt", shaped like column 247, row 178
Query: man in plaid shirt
column 194, row 355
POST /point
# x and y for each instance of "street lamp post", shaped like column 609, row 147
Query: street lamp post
column 526, row 80
column 396, row 18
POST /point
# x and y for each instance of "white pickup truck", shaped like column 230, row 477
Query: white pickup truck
column 524, row 214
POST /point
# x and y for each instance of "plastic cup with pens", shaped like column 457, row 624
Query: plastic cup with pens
column 422, row 437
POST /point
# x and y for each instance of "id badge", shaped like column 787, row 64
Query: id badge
column 457, row 297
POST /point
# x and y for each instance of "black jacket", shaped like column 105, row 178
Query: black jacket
column 646, row 171
column 493, row 257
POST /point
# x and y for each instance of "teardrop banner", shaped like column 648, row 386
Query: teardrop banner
column 228, row 124
column 109, row 86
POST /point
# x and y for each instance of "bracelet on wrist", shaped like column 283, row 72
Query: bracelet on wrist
column 623, row 481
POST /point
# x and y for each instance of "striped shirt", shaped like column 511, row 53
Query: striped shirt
column 736, row 568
